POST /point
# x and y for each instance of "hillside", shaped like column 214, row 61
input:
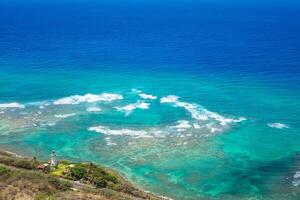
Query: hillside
column 27, row 179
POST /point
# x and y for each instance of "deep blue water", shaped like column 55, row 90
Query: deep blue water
column 231, row 133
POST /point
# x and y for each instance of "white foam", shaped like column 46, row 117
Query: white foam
column 93, row 109
column 296, row 183
column 198, row 112
column 119, row 132
column 143, row 95
column 65, row 115
column 221, row 119
column 213, row 128
column 297, row 174
column 11, row 105
column 278, row 125
column 183, row 124
column 169, row 99
column 147, row 96
column 131, row 107
column 196, row 126
column 88, row 98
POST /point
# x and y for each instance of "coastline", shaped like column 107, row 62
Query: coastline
column 155, row 196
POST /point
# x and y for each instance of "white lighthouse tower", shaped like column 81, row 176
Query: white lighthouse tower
column 53, row 161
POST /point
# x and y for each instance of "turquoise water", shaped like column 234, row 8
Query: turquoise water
column 189, row 100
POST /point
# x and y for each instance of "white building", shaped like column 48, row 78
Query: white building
column 53, row 161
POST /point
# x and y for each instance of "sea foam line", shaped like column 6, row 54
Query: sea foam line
column 119, row 132
column 11, row 105
column 63, row 116
column 144, row 95
column 198, row 112
column 88, row 98
column 147, row 96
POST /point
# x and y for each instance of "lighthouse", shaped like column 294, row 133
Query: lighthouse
column 53, row 161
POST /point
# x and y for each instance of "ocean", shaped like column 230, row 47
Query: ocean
column 188, row 99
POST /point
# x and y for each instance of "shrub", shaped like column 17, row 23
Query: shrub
column 78, row 172
column 98, row 172
column 100, row 182
column 111, row 178
column 4, row 172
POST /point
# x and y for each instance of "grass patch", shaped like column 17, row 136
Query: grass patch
column 19, row 163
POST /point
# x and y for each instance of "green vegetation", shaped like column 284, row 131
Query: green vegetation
column 87, row 173
column 19, row 177
column 78, row 171
column 4, row 172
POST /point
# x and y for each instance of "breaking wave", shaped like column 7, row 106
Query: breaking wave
column 201, row 123
column 198, row 112
column 11, row 105
column 144, row 95
column 88, row 98
column 278, row 125
column 147, row 96
column 125, row 132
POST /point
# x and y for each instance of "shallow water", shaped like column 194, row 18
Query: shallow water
column 188, row 100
